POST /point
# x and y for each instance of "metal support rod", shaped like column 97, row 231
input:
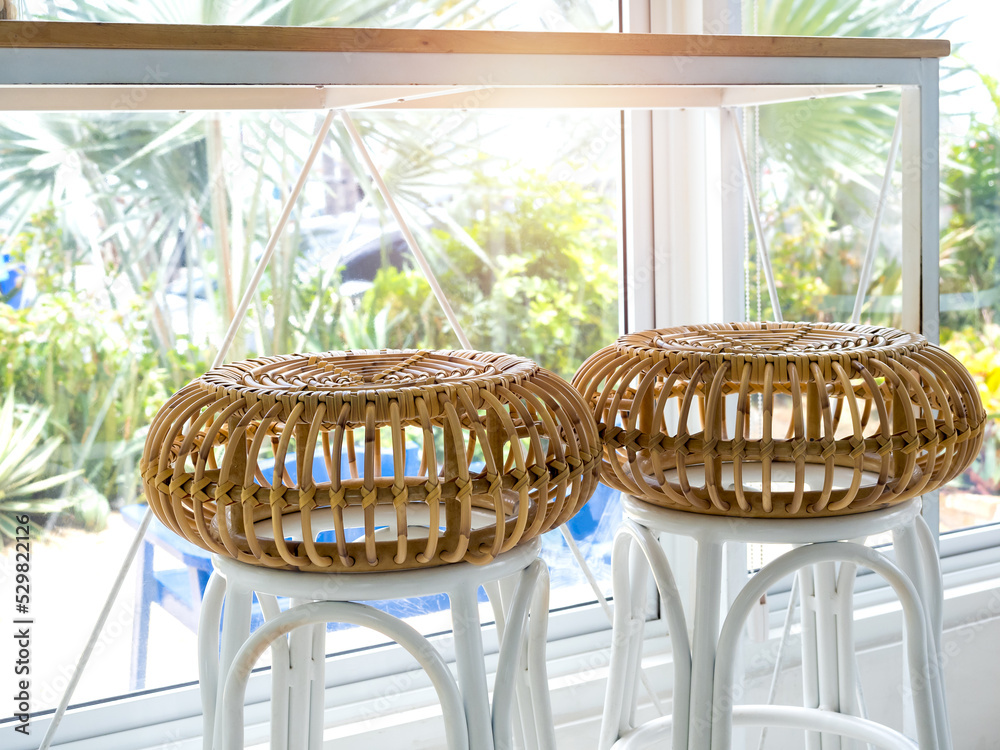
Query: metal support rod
column 272, row 243
column 772, row 289
column 102, row 618
column 866, row 269
column 603, row 601
column 405, row 229
column 779, row 658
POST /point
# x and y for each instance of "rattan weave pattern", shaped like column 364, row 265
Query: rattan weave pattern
column 708, row 418
column 507, row 451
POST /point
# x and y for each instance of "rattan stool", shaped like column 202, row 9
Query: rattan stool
column 793, row 432
column 300, row 473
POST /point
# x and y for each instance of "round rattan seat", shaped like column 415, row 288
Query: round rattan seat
column 781, row 420
column 370, row 460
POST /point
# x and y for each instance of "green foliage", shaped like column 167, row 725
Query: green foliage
column 817, row 264
column 94, row 368
column 832, row 140
column 27, row 484
column 970, row 243
column 533, row 272
column 979, row 350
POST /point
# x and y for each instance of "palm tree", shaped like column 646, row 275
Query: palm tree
column 824, row 157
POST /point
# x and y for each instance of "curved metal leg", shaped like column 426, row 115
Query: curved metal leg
column 917, row 642
column 235, row 630
column 918, row 558
column 452, row 707
column 538, row 678
column 523, row 670
column 280, row 666
column 796, row 717
column 471, row 668
column 208, row 654
column 499, row 599
column 614, row 722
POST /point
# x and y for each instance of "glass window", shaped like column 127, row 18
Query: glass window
column 128, row 240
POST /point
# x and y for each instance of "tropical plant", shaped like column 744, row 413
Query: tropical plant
column 821, row 161
column 25, row 459
column 828, row 141
column 532, row 270
column 979, row 350
column 816, row 264
column 93, row 367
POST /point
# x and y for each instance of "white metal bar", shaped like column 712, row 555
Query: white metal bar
column 272, row 243
column 581, row 561
column 299, row 673
column 779, row 658
column 405, row 229
column 810, row 670
column 137, row 69
column 826, row 645
column 796, row 717
column 102, row 618
column 772, row 289
column 469, row 662
column 704, row 642
column 873, row 237
column 748, row 96
column 299, row 97
column 209, row 621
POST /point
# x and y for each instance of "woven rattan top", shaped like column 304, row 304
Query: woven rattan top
column 361, row 377
column 753, row 344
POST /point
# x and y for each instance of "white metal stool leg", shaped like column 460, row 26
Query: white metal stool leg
column 633, row 538
column 913, row 558
column 523, row 714
column 471, row 669
column 538, row 677
column 847, row 663
column 430, row 660
column 918, row 641
column 516, row 674
column 704, row 641
column 280, row 667
column 638, row 575
column 235, row 630
column 825, row 576
column 209, row 621
column 299, row 694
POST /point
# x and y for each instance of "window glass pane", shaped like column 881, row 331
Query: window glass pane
column 970, row 246
column 128, row 241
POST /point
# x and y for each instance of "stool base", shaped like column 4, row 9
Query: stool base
column 705, row 667
column 517, row 583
